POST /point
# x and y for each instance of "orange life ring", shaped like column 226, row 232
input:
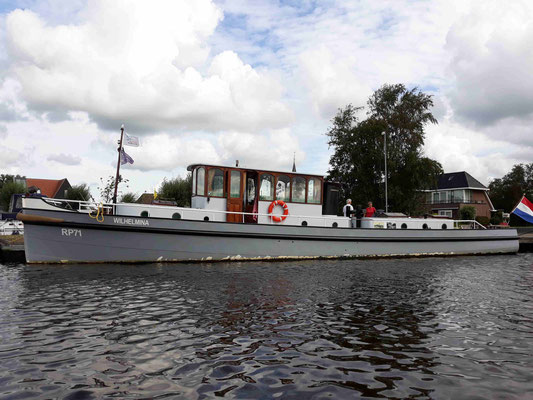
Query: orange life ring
column 275, row 218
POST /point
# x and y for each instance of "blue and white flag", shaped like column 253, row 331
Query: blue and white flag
column 125, row 158
column 524, row 210
column 132, row 141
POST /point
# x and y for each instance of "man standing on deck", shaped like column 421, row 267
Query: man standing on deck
column 347, row 210
column 370, row 210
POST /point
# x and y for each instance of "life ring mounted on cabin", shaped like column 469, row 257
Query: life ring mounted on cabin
column 276, row 218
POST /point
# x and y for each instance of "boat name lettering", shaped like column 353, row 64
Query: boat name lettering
column 131, row 221
column 70, row 232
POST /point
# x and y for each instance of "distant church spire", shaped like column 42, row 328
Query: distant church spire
column 294, row 162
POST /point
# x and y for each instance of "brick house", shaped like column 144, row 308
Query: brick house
column 455, row 190
column 56, row 188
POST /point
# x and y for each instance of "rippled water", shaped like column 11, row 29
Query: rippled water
column 437, row 328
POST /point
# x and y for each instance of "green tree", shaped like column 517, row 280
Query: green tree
column 79, row 192
column 6, row 178
column 358, row 158
column 129, row 197
column 506, row 192
column 467, row 212
column 177, row 189
column 107, row 188
column 8, row 189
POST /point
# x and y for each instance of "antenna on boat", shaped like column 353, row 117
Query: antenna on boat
column 118, row 163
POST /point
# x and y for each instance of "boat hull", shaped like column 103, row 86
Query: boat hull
column 70, row 237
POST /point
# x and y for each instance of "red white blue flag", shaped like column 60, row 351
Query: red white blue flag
column 524, row 210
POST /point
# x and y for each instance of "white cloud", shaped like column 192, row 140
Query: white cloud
column 66, row 159
column 144, row 63
column 492, row 62
column 271, row 151
column 331, row 82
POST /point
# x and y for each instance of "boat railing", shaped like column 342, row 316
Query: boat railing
column 468, row 222
column 110, row 209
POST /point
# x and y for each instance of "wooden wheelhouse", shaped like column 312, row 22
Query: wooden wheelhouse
column 246, row 190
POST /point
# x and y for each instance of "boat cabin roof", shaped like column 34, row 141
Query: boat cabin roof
column 193, row 166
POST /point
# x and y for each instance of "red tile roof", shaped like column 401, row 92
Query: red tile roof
column 49, row 187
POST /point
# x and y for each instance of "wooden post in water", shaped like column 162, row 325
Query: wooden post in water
column 118, row 163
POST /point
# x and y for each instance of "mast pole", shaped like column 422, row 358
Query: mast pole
column 385, row 151
column 118, row 163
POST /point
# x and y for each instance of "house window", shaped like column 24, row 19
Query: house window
column 468, row 196
column 446, row 213
column 266, row 190
column 458, row 196
column 436, row 197
column 283, row 188
column 215, row 185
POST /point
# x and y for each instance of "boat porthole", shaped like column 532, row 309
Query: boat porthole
column 444, row 226
column 335, row 225
column 206, row 218
column 176, row 216
column 425, row 226
column 144, row 213
column 404, row 226
column 304, row 223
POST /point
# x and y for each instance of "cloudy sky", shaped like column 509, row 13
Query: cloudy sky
column 215, row 81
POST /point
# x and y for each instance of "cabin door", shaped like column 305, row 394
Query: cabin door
column 235, row 195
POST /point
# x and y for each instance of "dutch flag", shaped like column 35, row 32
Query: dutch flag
column 524, row 210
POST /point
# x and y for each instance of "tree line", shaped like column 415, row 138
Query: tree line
column 176, row 189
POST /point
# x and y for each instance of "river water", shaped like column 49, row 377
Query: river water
column 439, row 328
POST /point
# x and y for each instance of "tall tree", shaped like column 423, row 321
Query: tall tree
column 177, row 189
column 358, row 158
column 507, row 191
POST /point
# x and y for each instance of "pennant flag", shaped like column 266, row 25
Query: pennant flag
column 125, row 158
column 155, row 195
column 132, row 141
column 524, row 210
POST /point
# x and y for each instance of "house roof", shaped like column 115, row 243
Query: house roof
column 49, row 187
column 459, row 180
column 145, row 198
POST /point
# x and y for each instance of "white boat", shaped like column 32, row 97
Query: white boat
column 10, row 227
column 237, row 214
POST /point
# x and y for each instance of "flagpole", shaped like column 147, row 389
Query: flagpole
column 517, row 204
column 118, row 163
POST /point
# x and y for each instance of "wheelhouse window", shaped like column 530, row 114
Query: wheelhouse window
column 215, row 182
column 235, row 184
column 283, row 188
column 298, row 189
column 266, row 190
column 314, row 191
column 200, row 181
column 194, row 182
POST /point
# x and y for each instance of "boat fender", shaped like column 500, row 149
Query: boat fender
column 281, row 203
